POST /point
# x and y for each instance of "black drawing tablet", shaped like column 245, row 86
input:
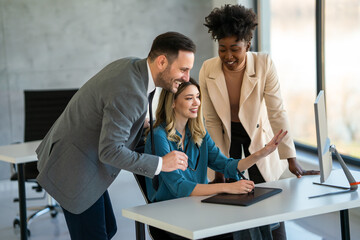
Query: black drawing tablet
column 259, row 194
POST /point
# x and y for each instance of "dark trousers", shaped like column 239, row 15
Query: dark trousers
column 96, row 223
column 240, row 137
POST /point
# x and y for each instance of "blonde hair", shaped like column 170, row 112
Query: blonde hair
column 165, row 113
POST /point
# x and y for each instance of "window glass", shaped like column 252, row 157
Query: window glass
column 342, row 74
column 292, row 44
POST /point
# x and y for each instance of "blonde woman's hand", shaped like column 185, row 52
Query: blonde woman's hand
column 274, row 143
column 239, row 187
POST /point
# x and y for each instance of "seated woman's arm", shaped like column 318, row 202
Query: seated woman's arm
column 242, row 186
column 269, row 148
column 220, row 163
column 238, row 187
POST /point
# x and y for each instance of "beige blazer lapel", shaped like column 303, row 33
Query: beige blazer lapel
column 248, row 85
column 249, row 80
column 219, row 95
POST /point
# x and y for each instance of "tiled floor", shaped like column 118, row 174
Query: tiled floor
column 125, row 193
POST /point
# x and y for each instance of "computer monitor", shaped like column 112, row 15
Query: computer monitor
column 325, row 149
column 323, row 141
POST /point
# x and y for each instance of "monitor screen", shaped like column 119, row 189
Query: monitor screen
column 323, row 141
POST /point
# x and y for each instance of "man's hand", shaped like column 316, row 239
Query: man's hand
column 297, row 170
column 174, row 160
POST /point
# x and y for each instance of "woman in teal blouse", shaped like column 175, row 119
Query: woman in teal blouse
column 179, row 126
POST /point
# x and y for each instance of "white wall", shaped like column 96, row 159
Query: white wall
column 62, row 43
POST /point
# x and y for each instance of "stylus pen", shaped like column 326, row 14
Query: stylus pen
column 241, row 175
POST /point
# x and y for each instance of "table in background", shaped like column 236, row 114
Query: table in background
column 20, row 154
column 190, row 218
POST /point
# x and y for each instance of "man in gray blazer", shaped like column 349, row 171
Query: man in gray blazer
column 95, row 136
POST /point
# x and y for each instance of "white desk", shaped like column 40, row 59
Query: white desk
column 19, row 154
column 192, row 219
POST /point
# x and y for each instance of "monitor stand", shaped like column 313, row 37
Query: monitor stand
column 353, row 184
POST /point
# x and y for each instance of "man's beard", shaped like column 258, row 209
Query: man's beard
column 165, row 81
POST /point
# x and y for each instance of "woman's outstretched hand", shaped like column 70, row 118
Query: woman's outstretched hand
column 269, row 148
column 274, row 143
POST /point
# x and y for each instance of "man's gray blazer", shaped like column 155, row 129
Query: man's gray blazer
column 95, row 136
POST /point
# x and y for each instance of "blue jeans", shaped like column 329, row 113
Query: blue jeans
column 96, row 223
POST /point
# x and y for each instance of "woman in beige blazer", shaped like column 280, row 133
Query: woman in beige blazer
column 241, row 97
column 258, row 94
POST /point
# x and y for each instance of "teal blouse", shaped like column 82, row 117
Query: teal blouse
column 180, row 183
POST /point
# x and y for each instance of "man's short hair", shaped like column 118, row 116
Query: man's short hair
column 169, row 44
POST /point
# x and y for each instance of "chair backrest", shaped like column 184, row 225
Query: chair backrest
column 154, row 233
column 139, row 178
column 142, row 185
column 42, row 108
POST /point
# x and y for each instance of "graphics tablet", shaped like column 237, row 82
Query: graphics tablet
column 245, row 199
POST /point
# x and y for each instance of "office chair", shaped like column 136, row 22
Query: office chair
column 140, row 180
column 151, row 230
column 42, row 108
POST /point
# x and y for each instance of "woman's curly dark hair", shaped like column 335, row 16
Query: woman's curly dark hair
column 231, row 20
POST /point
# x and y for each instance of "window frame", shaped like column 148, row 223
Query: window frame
column 262, row 40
